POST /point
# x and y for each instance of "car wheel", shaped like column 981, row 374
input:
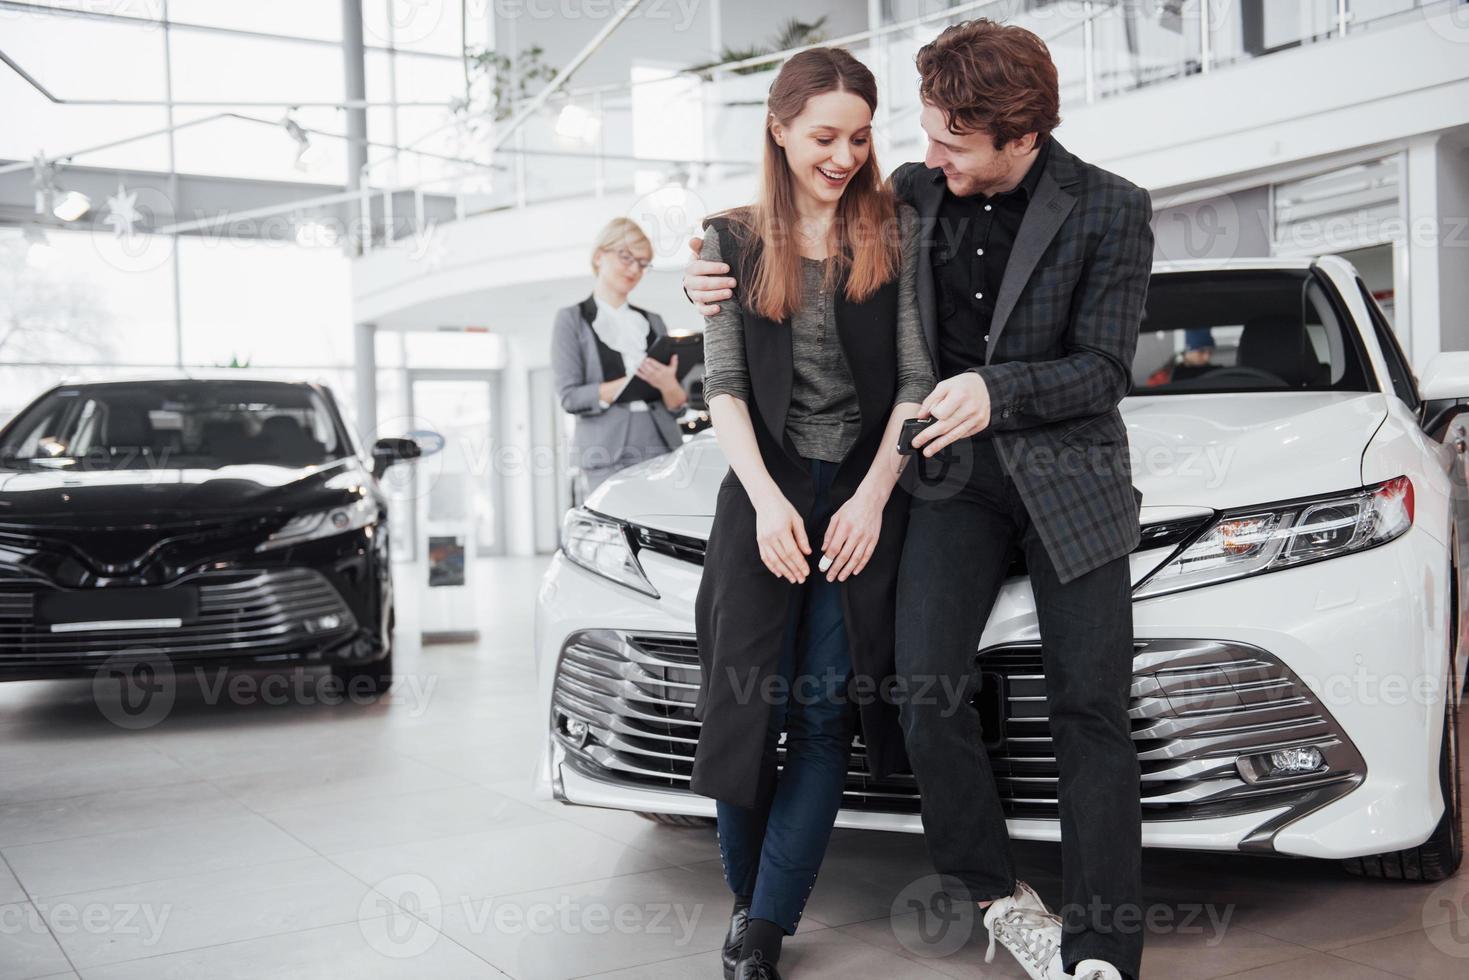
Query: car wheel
column 1438, row 857
column 677, row 819
column 378, row 674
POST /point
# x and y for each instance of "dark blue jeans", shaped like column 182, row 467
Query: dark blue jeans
column 772, row 851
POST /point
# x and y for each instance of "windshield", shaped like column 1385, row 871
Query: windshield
column 174, row 424
column 1246, row 330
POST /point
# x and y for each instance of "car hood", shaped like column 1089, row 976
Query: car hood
column 1190, row 453
column 46, row 496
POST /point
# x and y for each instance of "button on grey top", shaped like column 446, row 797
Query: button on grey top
column 823, row 420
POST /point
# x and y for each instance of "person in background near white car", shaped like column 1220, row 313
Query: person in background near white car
column 598, row 346
column 809, row 378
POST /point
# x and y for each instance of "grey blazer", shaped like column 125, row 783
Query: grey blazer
column 601, row 433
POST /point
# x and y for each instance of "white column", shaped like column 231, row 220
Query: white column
column 364, row 374
column 1418, row 257
column 1453, row 240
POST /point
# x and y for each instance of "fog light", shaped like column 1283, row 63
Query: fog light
column 1295, row 761
column 575, row 729
column 324, row 624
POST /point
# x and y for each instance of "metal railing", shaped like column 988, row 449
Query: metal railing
column 592, row 141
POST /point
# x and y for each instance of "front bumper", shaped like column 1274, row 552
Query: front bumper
column 321, row 603
column 1209, row 692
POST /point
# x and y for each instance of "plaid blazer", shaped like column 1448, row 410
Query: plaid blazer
column 1059, row 350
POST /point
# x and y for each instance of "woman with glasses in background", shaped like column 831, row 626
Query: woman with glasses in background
column 598, row 346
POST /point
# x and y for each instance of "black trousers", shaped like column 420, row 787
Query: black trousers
column 960, row 534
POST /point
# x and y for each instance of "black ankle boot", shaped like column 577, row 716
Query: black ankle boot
column 756, row 967
column 733, row 940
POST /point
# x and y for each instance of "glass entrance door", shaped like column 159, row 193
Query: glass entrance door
column 459, row 490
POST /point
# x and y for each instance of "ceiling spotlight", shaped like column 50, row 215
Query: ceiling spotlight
column 71, row 205
column 576, row 123
column 310, row 234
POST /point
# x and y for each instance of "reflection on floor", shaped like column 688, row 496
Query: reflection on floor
column 256, row 830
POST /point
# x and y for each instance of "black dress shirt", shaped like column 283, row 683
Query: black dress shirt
column 974, row 236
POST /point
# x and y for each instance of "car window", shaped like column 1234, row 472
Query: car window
column 1401, row 375
column 186, row 423
column 1245, row 330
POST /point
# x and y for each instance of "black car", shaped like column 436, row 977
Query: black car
column 193, row 522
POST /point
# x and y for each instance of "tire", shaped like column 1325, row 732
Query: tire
column 1438, row 857
column 677, row 819
column 373, row 679
column 378, row 674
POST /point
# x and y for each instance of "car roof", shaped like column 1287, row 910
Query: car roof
column 1232, row 264
column 169, row 377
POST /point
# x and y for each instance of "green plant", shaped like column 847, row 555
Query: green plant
column 510, row 82
column 793, row 33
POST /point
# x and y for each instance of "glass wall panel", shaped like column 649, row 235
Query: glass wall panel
column 267, row 304
column 225, row 67
column 76, row 297
column 289, row 17
column 80, row 58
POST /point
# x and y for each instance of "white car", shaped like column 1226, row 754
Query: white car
column 1297, row 596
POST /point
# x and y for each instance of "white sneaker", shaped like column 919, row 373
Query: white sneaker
column 1023, row 925
column 1096, row 970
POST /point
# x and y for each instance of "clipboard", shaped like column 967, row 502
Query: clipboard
column 690, row 351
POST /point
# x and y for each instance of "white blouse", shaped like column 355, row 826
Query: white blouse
column 625, row 330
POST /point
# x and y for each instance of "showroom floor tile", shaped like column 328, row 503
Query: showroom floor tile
column 252, row 834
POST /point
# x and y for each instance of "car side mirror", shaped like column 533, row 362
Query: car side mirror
column 1445, row 377
column 386, row 452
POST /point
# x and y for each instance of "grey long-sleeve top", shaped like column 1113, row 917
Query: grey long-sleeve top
column 823, row 420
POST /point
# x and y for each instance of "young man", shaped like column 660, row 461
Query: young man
column 1040, row 266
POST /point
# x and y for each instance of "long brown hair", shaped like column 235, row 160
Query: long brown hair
column 864, row 244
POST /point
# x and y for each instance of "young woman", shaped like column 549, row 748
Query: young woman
column 597, row 346
column 811, row 370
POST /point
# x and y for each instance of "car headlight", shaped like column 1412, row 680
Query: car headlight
column 323, row 524
column 1250, row 542
column 601, row 545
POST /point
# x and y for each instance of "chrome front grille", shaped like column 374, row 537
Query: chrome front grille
column 1198, row 707
column 255, row 613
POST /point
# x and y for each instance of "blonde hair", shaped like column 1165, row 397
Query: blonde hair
column 619, row 231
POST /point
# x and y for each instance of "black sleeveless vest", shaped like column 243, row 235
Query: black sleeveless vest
column 868, row 336
column 736, row 611
column 612, row 365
